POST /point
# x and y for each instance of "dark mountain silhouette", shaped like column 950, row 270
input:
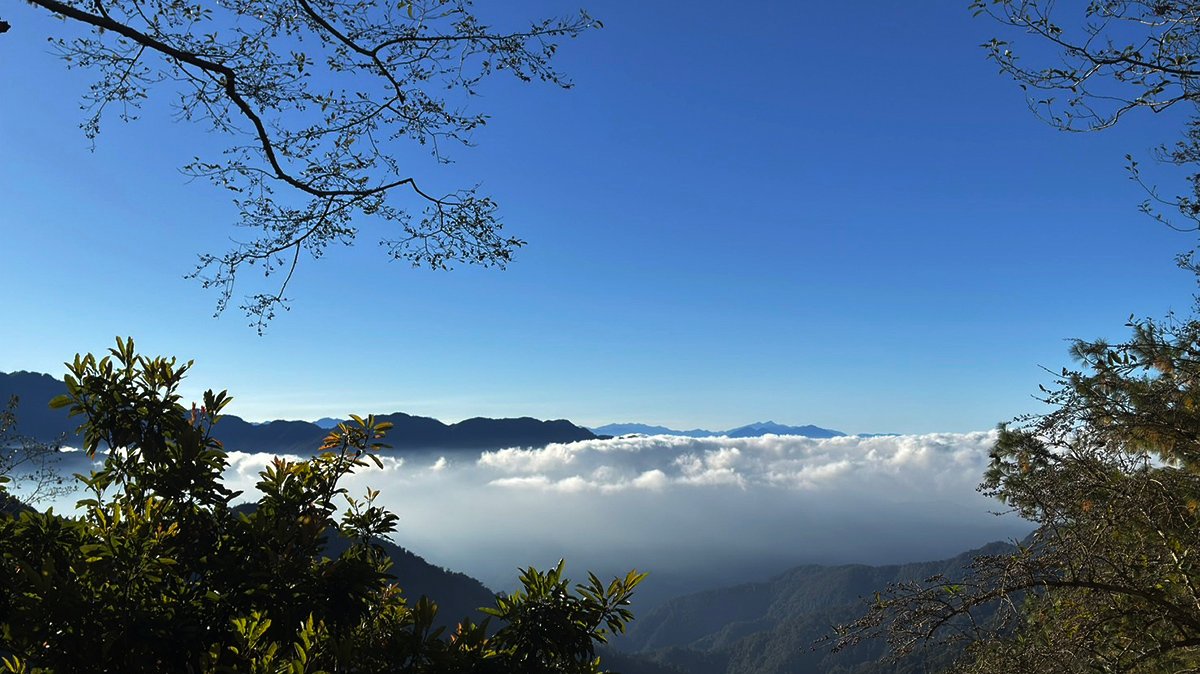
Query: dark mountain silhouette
column 34, row 416
column 291, row 437
column 749, row 431
column 410, row 432
column 524, row 431
column 457, row 595
column 770, row 627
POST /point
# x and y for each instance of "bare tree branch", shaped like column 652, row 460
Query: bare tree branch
column 316, row 99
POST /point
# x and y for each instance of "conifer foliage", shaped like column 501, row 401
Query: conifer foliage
column 1108, row 581
column 1111, row 477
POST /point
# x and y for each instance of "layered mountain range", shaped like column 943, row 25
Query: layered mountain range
column 753, row 430
column 771, row 627
column 409, row 432
column 37, row 420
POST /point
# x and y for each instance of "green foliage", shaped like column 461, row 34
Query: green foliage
column 1111, row 475
column 1109, row 581
column 160, row 572
column 546, row 625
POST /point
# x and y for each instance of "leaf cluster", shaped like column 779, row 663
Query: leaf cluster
column 546, row 624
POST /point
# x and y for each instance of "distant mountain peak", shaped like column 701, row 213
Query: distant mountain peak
column 328, row 422
column 753, row 430
column 647, row 429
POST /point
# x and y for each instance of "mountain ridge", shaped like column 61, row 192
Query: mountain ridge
column 36, row 420
column 753, row 430
column 769, row 627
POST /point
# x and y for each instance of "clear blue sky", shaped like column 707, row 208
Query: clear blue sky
column 827, row 213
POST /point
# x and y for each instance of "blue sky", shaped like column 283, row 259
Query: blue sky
column 811, row 213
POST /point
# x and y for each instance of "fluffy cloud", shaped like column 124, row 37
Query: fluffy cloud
column 692, row 511
column 772, row 461
column 703, row 509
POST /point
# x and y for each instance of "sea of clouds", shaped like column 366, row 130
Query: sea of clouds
column 694, row 511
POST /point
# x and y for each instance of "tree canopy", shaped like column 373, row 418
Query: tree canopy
column 161, row 570
column 313, row 100
column 1108, row 581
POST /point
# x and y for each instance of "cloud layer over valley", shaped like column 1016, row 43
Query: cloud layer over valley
column 688, row 508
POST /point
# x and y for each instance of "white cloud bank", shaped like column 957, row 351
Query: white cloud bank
column 792, row 462
column 693, row 510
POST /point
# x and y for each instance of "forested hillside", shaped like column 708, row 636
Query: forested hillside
column 773, row 627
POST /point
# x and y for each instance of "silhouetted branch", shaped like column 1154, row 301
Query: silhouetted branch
column 328, row 143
